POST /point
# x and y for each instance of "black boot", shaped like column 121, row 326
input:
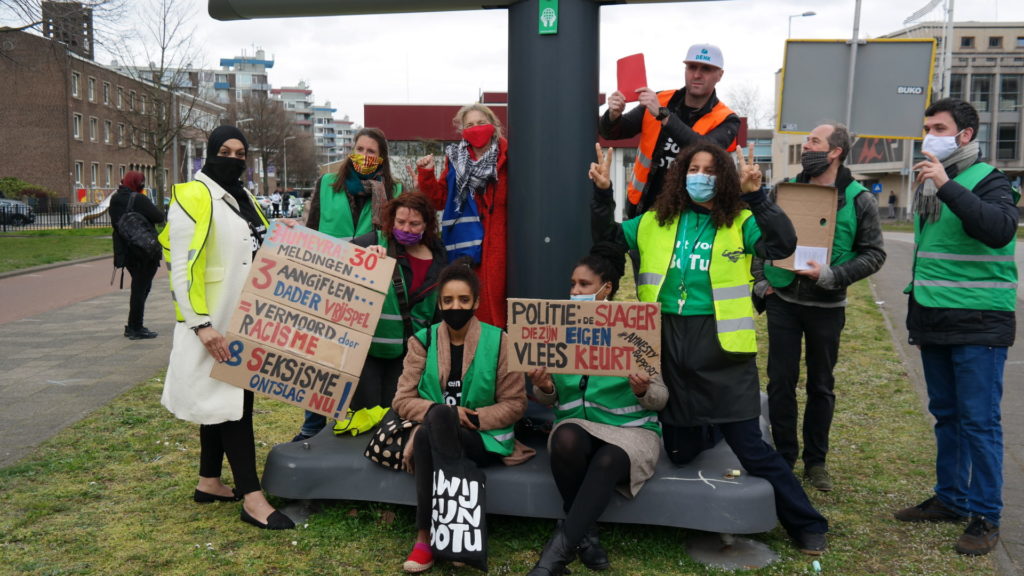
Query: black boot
column 590, row 551
column 556, row 555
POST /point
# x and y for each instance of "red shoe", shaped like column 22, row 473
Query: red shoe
column 420, row 559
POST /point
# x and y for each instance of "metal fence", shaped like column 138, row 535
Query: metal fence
column 60, row 217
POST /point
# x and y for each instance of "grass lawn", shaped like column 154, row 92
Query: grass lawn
column 27, row 248
column 112, row 495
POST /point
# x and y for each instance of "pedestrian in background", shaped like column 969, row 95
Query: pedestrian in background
column 141, row 268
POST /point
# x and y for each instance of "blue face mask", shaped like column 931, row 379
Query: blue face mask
column 700, row 187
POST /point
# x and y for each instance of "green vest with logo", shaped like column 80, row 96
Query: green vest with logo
column 478, row 383
column 604, row 399
column 842, row 243
column 729, row 272
column 389, row 337
column 195, row 200
column 953, row 270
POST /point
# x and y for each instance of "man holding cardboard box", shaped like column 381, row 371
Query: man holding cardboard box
column 809, row 304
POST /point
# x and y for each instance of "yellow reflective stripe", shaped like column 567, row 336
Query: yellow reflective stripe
column 967, row 257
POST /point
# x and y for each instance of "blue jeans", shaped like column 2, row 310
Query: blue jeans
column 965, row 387
column 313, row 423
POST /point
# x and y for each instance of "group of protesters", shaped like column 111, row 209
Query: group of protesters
column 705, row 236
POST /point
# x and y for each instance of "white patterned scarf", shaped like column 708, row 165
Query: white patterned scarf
column 471, row 175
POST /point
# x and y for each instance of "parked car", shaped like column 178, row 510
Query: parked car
column 15, row 212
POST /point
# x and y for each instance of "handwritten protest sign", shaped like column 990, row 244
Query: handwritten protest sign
column 305, row 319
column 595, row 338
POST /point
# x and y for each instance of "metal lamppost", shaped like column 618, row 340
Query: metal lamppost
column 285, row 146
column 789, row 32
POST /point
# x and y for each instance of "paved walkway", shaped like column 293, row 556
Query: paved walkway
column 60, row 364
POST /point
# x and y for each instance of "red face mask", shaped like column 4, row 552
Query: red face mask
column 478, row 136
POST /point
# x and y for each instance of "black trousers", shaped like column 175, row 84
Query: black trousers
column 442, row 423
column 235, row 440
column 819, row 330
column 142, row 273
column 586, row 471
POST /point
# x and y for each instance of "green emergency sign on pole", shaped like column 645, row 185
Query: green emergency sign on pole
column 548, row 16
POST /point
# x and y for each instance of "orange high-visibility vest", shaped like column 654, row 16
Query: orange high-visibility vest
column 651, row 129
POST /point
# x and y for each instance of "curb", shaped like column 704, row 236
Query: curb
column 52, row 265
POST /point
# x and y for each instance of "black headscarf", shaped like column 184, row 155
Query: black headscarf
column 226, row 171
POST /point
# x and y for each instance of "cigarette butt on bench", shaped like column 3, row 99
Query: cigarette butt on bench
column 732, row 473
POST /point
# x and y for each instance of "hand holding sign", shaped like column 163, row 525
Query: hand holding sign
column 750, row 173
column 600, row 170
column 639, row 383
column 649, row 99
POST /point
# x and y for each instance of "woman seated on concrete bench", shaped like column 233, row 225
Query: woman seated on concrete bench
column 456, row 382
column 612, row 443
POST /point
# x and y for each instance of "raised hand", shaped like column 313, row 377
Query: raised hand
column 649, row 99
column 426, row 162
column 750, row 173
column 931, row 169
column 616, row 105
column 600, row 171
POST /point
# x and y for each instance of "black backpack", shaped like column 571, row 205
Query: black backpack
column 138, row 234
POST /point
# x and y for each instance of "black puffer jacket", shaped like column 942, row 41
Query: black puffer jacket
column 989, row 215
column 118, row 206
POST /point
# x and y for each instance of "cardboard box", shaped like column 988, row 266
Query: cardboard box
column 595, row 338
column 812, row 209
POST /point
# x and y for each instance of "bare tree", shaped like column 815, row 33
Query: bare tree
column 18, row 15
column 166, row 107
column 266, row 125
column 746, row 100
column 302, row 167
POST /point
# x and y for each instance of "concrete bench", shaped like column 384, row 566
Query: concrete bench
column 695, row 496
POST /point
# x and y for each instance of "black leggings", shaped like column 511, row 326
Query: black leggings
column 442, row 422
column 233, row 438
column 586, row 471
column 142, row 281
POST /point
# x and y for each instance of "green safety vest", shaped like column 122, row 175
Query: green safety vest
column 604, row 399
column 195, row 199
column 842, row 244
column 336, row 212
column 729, row 271
column 389, row 338
column 953, row 270
column 478, row 383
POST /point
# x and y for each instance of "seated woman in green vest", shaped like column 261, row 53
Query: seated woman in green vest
column 457, row 384
column 606, row 433
column 696, row 245
column 347, row 204
column 409, row 234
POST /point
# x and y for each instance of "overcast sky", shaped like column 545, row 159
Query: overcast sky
column 450, row 57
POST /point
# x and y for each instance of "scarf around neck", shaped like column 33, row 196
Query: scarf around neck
column 472, row 175
column 926, row 200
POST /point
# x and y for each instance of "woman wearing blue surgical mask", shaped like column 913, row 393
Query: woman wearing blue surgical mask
column 695, row 246
column 606, row 436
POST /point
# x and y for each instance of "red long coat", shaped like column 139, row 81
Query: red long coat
column 493, row 207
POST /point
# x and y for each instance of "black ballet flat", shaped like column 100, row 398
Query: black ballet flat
column 276, row 521
column 205, row 497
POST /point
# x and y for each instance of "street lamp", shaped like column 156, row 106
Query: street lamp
column 789, row 33
column 285, row 146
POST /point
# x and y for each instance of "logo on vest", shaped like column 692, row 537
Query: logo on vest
column 733, row 255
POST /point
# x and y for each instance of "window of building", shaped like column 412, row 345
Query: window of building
column 79, row 169
column 94, row 129
column 222, row 78
column 90, row 89
column 121, row 172
column 76, row 126
column 120, row 134
column 1020, row 41
column 984, row 138
column 95, row 173
column 1009, row 92
column 75, row 79
column 981, row 92
column 106, row 93
column 120, row 98
column 131, row 100
column 956, row 86
column 1006, row 142
column 110, row 174
column 967, row 41
column 795, row 150
column 995, row 41
column 142, row 108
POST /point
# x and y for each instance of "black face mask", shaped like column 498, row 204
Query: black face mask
column 223, row 170
column 457, row 318
column 814, row 163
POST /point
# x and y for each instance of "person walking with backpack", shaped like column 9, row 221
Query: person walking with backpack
column 141, row 267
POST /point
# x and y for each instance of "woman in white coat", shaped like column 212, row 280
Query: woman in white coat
column 214, row 229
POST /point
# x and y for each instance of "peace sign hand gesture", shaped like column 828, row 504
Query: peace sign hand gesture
column 750, row 173
column 600, row 171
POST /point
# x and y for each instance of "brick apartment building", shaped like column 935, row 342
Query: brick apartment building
column 66, row 121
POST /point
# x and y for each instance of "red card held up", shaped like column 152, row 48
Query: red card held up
column 632, row 74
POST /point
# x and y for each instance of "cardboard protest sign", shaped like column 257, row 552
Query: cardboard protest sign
column 812, row 209
column 305, row 319
column 595, row 338
column 287, row 377
column 631, row 76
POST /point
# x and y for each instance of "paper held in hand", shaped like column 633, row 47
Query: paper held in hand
column 305, row 319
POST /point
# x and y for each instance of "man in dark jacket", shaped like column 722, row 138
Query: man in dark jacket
column 810, row 305
column 961, row 314
column 141, row 269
